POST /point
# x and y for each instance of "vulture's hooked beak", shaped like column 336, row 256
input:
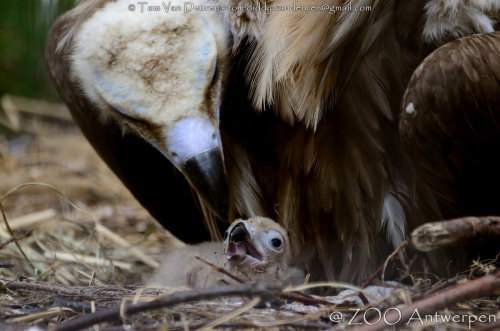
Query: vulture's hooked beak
column 241, row 247
column 193, row 145
column 205, row 172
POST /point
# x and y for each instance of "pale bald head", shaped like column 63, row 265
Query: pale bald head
column 155, row 72
column 159, row 76
column 257, row 245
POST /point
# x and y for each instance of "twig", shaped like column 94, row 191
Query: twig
column 6, row 222
column 255, row 290
column 220, row 269
column 467, row 230
column 120, row 241
column 231, row 315
column 32, row 219
column 18, row 104
column 305, row 299
column 300, row 297
column 82, row 292
column 474, row 289
column 381, row 268
column 374, row 275
column 11, row 239
column 243, row 326
column 73, row 257
column 396, row 251
column 21, row 186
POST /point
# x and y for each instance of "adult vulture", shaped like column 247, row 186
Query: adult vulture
column 307, row 105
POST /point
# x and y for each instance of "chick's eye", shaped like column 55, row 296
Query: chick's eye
column 276, row 242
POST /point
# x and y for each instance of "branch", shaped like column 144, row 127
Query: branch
column 382, row 267
column 460, row 231
column 396, row 251
column 114, row 313
column 474, row 289
column 82, row 292
column 11, row 239
column 220, row 269
column 295, row 296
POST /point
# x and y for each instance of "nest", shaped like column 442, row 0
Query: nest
column 73, row 239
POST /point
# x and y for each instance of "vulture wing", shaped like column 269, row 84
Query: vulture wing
column 450, row 125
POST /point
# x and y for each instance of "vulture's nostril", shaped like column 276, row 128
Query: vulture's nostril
column 239, row 233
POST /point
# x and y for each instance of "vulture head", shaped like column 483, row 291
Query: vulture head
column 159, row 76
column 256, row 245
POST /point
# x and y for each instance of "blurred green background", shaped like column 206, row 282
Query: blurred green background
column 24, row 25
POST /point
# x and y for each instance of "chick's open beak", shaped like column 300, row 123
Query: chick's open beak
column 240, row 245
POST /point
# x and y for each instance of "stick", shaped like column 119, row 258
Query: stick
column 382, row 267
column 474, row 289
column 73, row 257
column 81, row 292
column 220, row 269
column 396, row 251
column 31, row 219
column 111, row 314
column 460, row 231
column 36, row 107
column 231, row 315
column 305, row 299
column 11, row 239
column 120, row 241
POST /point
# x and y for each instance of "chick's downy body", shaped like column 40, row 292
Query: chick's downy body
column 254, row 250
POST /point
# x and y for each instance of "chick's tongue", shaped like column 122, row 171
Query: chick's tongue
column 236, row 250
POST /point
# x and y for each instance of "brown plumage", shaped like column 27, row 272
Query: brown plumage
column 337, row 88
column 340, row 181
column 450, row 128
column 256, row 249
column 310, row 103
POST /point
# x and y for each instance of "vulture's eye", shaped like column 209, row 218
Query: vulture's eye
column 276, row 242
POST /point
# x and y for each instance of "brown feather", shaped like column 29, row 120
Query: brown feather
column 334, row 79
column 454, row 94
column 451, row 133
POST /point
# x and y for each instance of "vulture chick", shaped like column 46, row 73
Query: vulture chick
column 145, row 90
column 256, row 249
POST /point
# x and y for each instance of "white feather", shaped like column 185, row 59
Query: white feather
column 393, row 219
column 452, row 19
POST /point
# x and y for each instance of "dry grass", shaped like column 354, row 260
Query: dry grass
column 82, row 217
column 91, row 240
